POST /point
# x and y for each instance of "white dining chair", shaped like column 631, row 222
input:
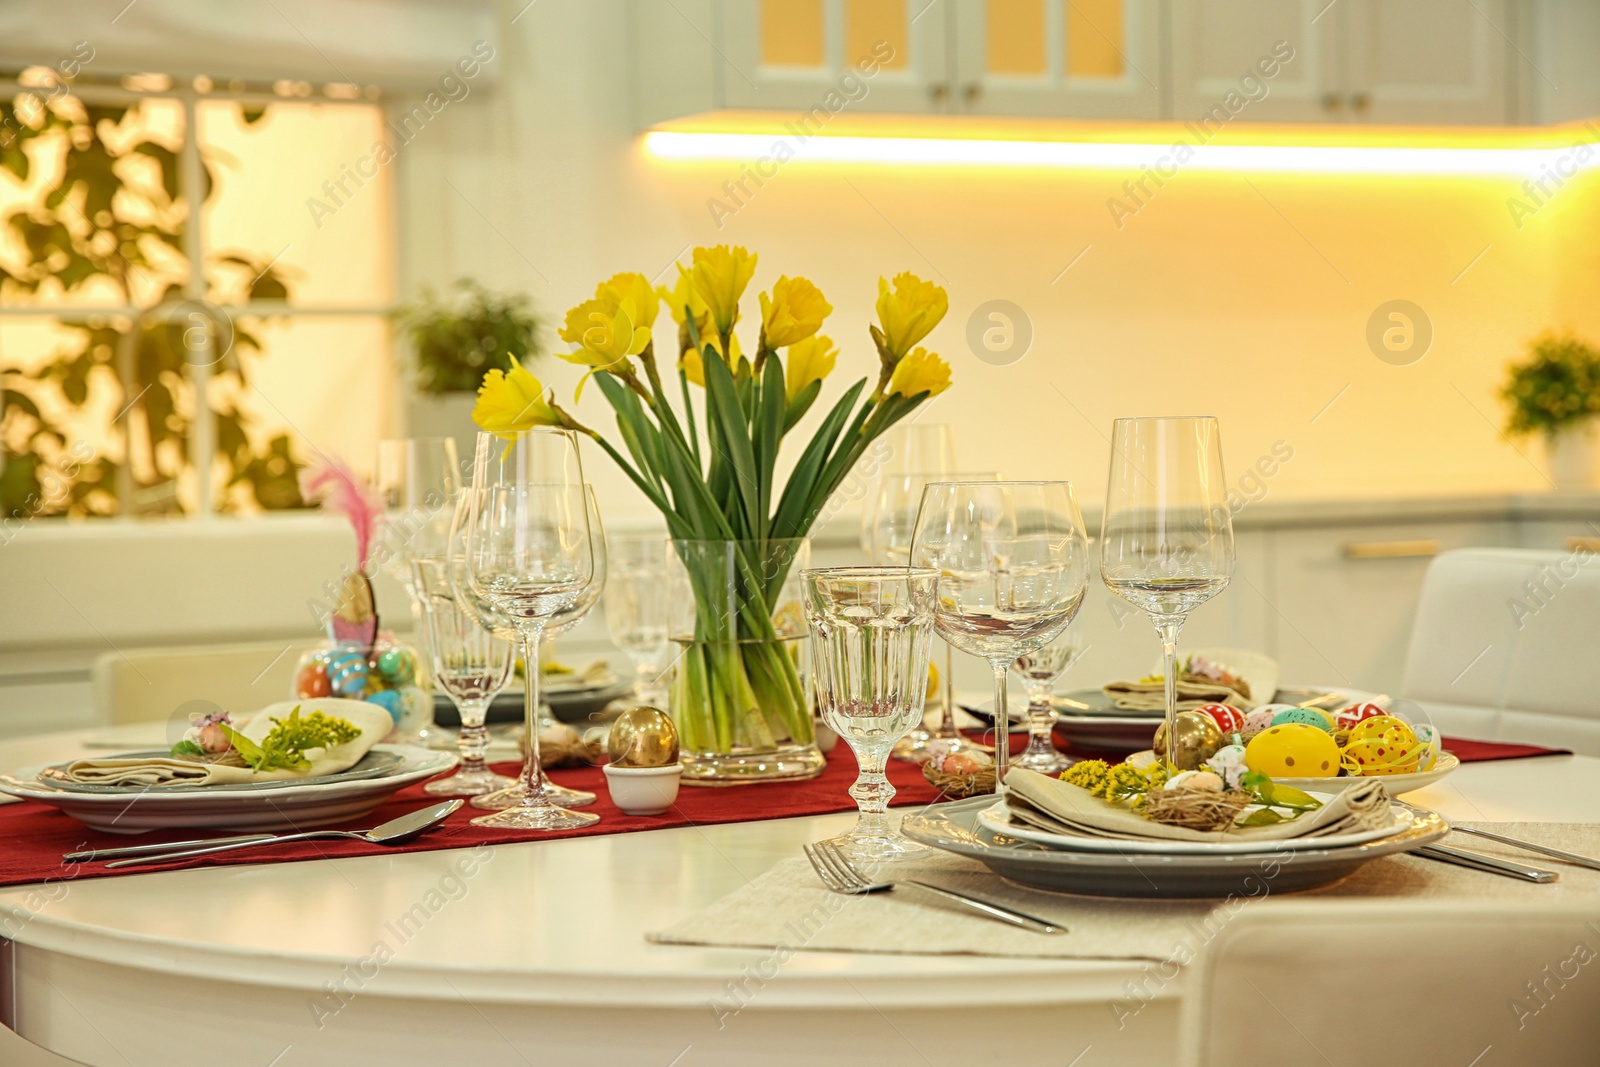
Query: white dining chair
column 157, row 684
column 1397, row 985
column 1506, row 647
column 18, row 1051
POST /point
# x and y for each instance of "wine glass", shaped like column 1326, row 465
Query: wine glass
column 871, row 632
column 920, row 446
column 1013, row 562
column 1039, row 670
column 1166, row 541
column 418, row 478
column 471, row 664
column 530, row 553
column 636, row 609
column 887, row 539
column 560, row 623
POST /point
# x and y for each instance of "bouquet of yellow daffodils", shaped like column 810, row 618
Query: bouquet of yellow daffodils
column 737, row 686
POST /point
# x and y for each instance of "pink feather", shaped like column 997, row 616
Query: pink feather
column 340, row 491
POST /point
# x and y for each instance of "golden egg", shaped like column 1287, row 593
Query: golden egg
column 642, row 737
column 1293, row 750
column 1197, row 739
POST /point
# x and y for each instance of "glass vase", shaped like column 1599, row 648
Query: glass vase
column 389, row 674
column 741, row 689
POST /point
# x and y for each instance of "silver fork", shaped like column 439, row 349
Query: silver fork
column 841, row 876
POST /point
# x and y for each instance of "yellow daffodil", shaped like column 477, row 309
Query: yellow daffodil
column 810, row 360
column 919, row 371
column 694, row 365
column 605, row 335
column 509, row 403
column 794, row 312
column 682, row 302
column 634, row 294
column 720, row 275
column 909, row 311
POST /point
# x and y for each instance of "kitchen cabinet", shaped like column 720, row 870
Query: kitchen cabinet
column 1394, row 62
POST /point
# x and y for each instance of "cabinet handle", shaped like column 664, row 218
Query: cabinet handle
column 1583, row 544
column 938, row 91
column 1331, row 101
column 1391, row 549
column 1360, row 102
column 971, row 91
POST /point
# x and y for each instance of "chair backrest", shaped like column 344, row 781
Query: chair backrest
column 1506, row 646
column 155, row 684
column 1397, row 985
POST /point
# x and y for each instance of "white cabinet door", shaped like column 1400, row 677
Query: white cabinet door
column 1427, row 61
column 835, row 55
column 1058, row 58
column 1255, row 61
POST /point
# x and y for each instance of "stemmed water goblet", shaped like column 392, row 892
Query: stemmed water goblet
column 1166, row 542
column 886, row 537
column 635, row 604
column 1039, row 671
column 471, row 663
column 871, row 632
column 530, row 552
column 1012, row 559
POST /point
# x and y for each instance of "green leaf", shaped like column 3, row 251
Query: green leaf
column 1260, row 817
column 801, row 404
column 725, row 414
column 187, row 748
column 769, row 434
column 794, row 503
column 248, row 750
column 1287, row 796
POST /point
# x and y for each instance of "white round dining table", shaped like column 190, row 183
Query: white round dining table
column 535, row 953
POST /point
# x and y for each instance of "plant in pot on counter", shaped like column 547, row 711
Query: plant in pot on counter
column 739, row 696
column 1556, row 392
column 458, row 340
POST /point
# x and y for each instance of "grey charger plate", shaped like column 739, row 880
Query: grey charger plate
column 372, row 765
column 954, row 827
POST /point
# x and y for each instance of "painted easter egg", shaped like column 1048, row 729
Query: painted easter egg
column 1384, row 745
column 1229, row 719
column 1383, row 727
column 312, row 681
column 1228, row 763
column 1309, row 716
column 1293, row 750
column 389, row 700
column 1347, row 717
column 397, row 665
column 347, row 672
column 1258, row 720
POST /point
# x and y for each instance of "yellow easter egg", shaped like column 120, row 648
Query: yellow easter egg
column 1293, row 750
column 1383, row 727
column 1386, row 755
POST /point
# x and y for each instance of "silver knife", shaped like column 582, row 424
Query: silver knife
column 89, row 854
column 1487, row 864
column 1543, row 850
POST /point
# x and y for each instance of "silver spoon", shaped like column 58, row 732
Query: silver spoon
column 390, row 833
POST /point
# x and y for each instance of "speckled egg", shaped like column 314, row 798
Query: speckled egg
column 1229, row 719
column 1258, row 720
column 1384, row 745
column 1309, row 716
column 347, row 672
column 1228, row 764
column 1293, row 750
column 1347, row 717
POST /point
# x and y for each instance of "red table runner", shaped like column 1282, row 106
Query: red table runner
column 36, row 835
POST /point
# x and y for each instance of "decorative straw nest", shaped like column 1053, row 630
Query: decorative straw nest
column 565, row 748
column 958, row 786
column 1194, row 809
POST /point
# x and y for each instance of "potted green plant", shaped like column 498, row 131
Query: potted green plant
column 456, row 338
column 1556, row 392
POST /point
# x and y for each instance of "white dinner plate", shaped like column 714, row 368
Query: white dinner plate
column 997, row 820
column 294, row 807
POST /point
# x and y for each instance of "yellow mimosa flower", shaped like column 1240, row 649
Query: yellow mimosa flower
column 634, row 294
column 919, row 371
column 908, row 312
column 794, row 312
column 720, row 275
column 509, row 403
column 809, row 361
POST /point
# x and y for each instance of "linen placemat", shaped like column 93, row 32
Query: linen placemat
column 788, row 909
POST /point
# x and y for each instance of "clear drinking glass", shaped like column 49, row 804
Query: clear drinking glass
column 560, row 623
column 1166, row 542
column 636, row 601
column 419, row 478
column 471, row 664
column 1039, row 670
column 886, row 537
column 530, row 553
column 871, row 632
column 1013, row 562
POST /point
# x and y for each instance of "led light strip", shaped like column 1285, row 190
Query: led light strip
column 1313, row 159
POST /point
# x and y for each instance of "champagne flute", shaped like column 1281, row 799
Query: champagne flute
column 636, row 609
column 1013, row 563
column 871, row 631
column 512, row 791
column 471, row 664
column 887, row 539
column 1166, row 541
column 530, row 553
column 1039, row 670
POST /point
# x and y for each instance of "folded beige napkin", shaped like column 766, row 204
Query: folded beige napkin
column 1152, row 696
column 593, row 675
column 373, row 722
column 1061, row 808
